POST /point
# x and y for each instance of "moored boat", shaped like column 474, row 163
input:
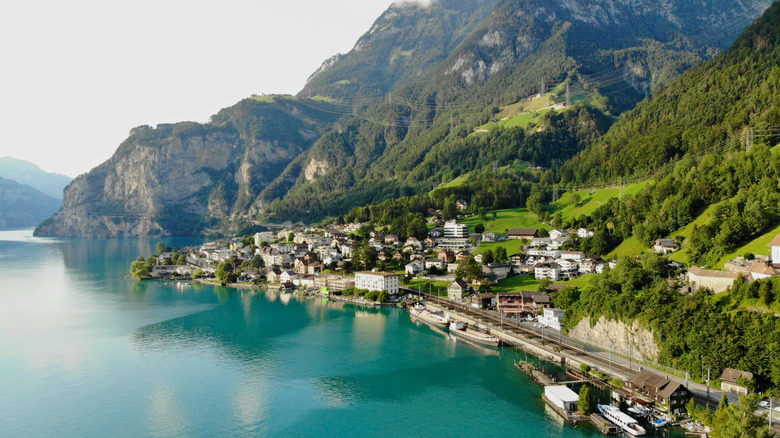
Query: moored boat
column 623, row 420
column 439, row 319
column 459, row 328
column 659, row 423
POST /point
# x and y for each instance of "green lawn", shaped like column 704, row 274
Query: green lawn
column 323, row 99
column 513, row 246
column 422, row 284
column 457, row 182
column 506, row 219
column 590, row 200
column 759, row 245
column 630, row 247
column 581, row 282
column 517, row 283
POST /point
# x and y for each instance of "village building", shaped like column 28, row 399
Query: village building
column 562, row 397
column 392, row 239
column 774, row 246
column 489, row 237
column 717, row 281
column 288, row 276
column 461, row 255
column 552, row 318
column 547, row 270
column 665, row 246
column 457, row 289
column 461, row 205
column 483, row 300
column 306, row 281
column 454, row 230
column 500, row 270
column 577, row 256
column 516, row 303
column 413, row 242
column 736, row 381
column 762, row 270
column 333, row 283
column 583, row 233
column 559, row 234
column 435, row 263
column 659, row 389
column 522, row 233
column 414, row 268
column 447, row 254
column 378, row 281
column 274, row 275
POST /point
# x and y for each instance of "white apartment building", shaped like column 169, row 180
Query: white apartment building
column 552, row 318
column 389, row 282
column 454, row 230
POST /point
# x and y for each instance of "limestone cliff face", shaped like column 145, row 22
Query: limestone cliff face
column 179, row 179
column 621, row 337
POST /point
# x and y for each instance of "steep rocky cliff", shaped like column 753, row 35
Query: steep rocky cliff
column 180, row 179
column 624, row 339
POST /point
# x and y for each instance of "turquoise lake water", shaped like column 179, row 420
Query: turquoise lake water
column 86, row 353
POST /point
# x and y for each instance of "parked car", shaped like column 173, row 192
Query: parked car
column 764, row 404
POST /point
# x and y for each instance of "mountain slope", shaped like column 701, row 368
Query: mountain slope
column 445, row 70
column 180, row 179
column 621, row 50
column 710, row 107
column 23, row 206
column 28, row 173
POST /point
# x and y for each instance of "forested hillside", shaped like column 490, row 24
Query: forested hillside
column 703, row 140
column 397, row 115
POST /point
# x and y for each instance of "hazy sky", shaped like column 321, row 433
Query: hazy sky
column 76, row 76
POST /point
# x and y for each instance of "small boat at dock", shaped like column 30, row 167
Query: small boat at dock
column 438, row 319
column 659, row 423
column 623, row 420
column 459, row 328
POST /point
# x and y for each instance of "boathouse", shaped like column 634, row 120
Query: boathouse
column 562, row 397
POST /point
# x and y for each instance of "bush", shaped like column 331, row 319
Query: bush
column 585, row 367
column 372, row 295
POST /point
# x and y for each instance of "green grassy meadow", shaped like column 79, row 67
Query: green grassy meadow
column 590, row 200
column 758, row 246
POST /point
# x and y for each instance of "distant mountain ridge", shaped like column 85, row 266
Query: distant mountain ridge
column 22, row 206
column 25, row 172
column 396, row 115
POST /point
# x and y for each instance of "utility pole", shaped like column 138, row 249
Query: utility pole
column 610, row 358
column 750, row 140
column 568, row 94
column 630, row 360
column 708, row 386
column 543, row 88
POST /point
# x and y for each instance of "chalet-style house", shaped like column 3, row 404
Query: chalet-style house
column 516, row 303
column 659, row 389
column 457, row 289
column 736, row 381
column 483, row 301
column 665, row 246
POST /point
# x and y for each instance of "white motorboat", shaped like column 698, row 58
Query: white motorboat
column 621, row 419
